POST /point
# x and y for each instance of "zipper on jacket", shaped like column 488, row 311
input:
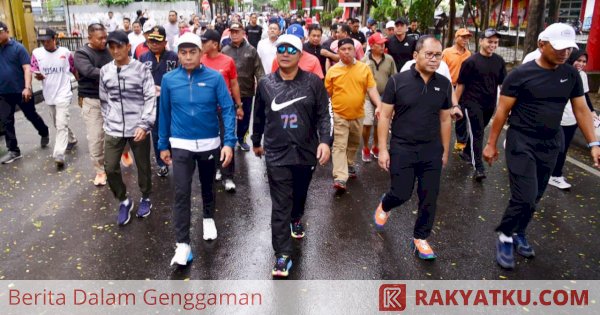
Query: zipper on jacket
column 121, row 98
column 190, row 81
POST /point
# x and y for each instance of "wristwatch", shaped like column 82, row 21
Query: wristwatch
column 594, row 144
column 238, row 106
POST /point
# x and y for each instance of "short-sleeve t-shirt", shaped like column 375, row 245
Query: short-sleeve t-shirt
column 56, row 66
column 417, row 106
column 12, row 58
column 224, row 65
column 347, row 85
column 541, row 97
column 402, row 51
column 481, row 76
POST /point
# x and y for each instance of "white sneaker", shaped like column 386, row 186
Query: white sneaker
column 229, row 185
column 210, row 230
column 559, row 182
column 183, row 254
column 218, row 175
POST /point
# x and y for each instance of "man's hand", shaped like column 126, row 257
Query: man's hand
column 456, row 113
column 157, row 87
column 490, row 154
column 258, row 151
column 26, row 94
column 139, row 135
column 166, row 157
column 444, row 159
column 239, row 113
column 384, row 159
column 323, row 153
column 377, row 114
column 39, row 76
column 596, row 156
column 226, row 156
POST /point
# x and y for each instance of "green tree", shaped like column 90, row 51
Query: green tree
column 423, row 11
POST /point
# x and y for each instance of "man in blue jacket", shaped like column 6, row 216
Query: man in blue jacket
column 188, row 123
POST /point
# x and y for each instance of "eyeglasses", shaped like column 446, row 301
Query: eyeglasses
column 430, row 55
column 291, row 50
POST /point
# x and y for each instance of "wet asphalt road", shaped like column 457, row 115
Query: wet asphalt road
column 57, row 225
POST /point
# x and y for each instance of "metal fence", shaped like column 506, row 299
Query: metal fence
column 72, row 43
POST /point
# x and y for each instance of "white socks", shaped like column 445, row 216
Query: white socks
column 504, row 238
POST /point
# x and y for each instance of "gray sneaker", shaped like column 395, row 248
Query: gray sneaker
column 10, row 157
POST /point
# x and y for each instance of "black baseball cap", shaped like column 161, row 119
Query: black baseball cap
column 45, row 33
column 490, row 32
column 211, row 35
column 118, row 37
column 345, row 41
column 158, row 34
column 3, row 26
column 401, row 20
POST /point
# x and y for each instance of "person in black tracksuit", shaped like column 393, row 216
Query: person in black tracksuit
column 477, row 89
column 292, row 111
column 534, row 95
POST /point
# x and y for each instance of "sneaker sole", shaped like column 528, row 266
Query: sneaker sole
column 189, row 259
column 12, row 160
column 296, row 236
column 279, row 273
column 209, row 238
column 420, row 255
column 128, row 215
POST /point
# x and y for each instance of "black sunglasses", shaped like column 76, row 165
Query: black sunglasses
column 290, row 50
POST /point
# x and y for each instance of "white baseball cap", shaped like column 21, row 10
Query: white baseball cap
column 190, row 38
column 289, row 39
column 560, row 36
column 390, row 24
column 149, row 25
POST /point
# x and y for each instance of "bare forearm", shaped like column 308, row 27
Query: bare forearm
column 383, row 127
column 27, row 74
column 235, row 92
column 585, row 122
column 497, row 124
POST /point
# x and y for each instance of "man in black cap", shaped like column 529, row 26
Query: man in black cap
column 160, row 61
column 401, row 46
column 15, row 89
column 128, row 103
column 477, row 89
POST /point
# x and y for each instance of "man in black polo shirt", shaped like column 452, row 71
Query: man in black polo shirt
column 535, row 94
column 356, row 33
column 417, row 150
column 313, row 46
column 477, row 90
column 254, row 31
column 401, row 47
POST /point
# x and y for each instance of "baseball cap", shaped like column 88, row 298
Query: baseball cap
column 45, row 34
column 149, row 25
column 462, row 32
column 345, row 41
column 390, row 24
column 377, row 38
column 3, row 27
column 560, row 36
column 490, row 32
column 158, row 34
column 235, row 26
column 401, row 20
column 118, row 37
column 274, row 20
column 308, row 21
column 211, row 35
column 290, row 40
column 296, row 29
column 190, row 38
column 370, row 21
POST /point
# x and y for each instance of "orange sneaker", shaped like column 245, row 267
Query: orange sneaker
column 423, row 249
column 459, row 146
column 381, row 216
column 126, row 159
column 100, row 179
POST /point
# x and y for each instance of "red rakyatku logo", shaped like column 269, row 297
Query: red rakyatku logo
column 392, row 297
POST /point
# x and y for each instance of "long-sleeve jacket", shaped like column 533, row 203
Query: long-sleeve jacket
column 248, row 65
column 88, row 62
column 294, row 116
column 188, row 107
column 127, row 98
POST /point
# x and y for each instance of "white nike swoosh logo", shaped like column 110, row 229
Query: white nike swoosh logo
column 563, row 80
column 277, row 107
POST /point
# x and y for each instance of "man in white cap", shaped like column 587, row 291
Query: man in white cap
column 292, row 111
column 390, row 29
column 533, row 98
column 189, row 98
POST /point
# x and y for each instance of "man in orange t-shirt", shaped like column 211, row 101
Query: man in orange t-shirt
column 347, row 82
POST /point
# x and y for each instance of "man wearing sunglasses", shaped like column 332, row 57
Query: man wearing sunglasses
column 292, row 111
column 478, row 81
column 418, row 151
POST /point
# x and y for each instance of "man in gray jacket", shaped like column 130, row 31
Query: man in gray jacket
column 127, row 101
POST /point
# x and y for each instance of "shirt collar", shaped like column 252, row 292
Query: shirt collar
column 416, row 73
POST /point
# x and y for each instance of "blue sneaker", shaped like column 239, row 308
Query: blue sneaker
column 144, row 208
column 504, row 254
column 522, row 246
column 125, row 213
column 282, row 267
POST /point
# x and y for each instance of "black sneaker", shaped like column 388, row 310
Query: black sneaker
column 351, row 171
column 71, row 145
column 465, row 157
column 163, row 171
column 283, row 264
column 44, row 141
column 479, row 175
column 297, row 229
column 10, row 157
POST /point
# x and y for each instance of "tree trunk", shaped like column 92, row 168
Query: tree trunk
column 535, row 24
column 449, row 40
column 553, row 10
